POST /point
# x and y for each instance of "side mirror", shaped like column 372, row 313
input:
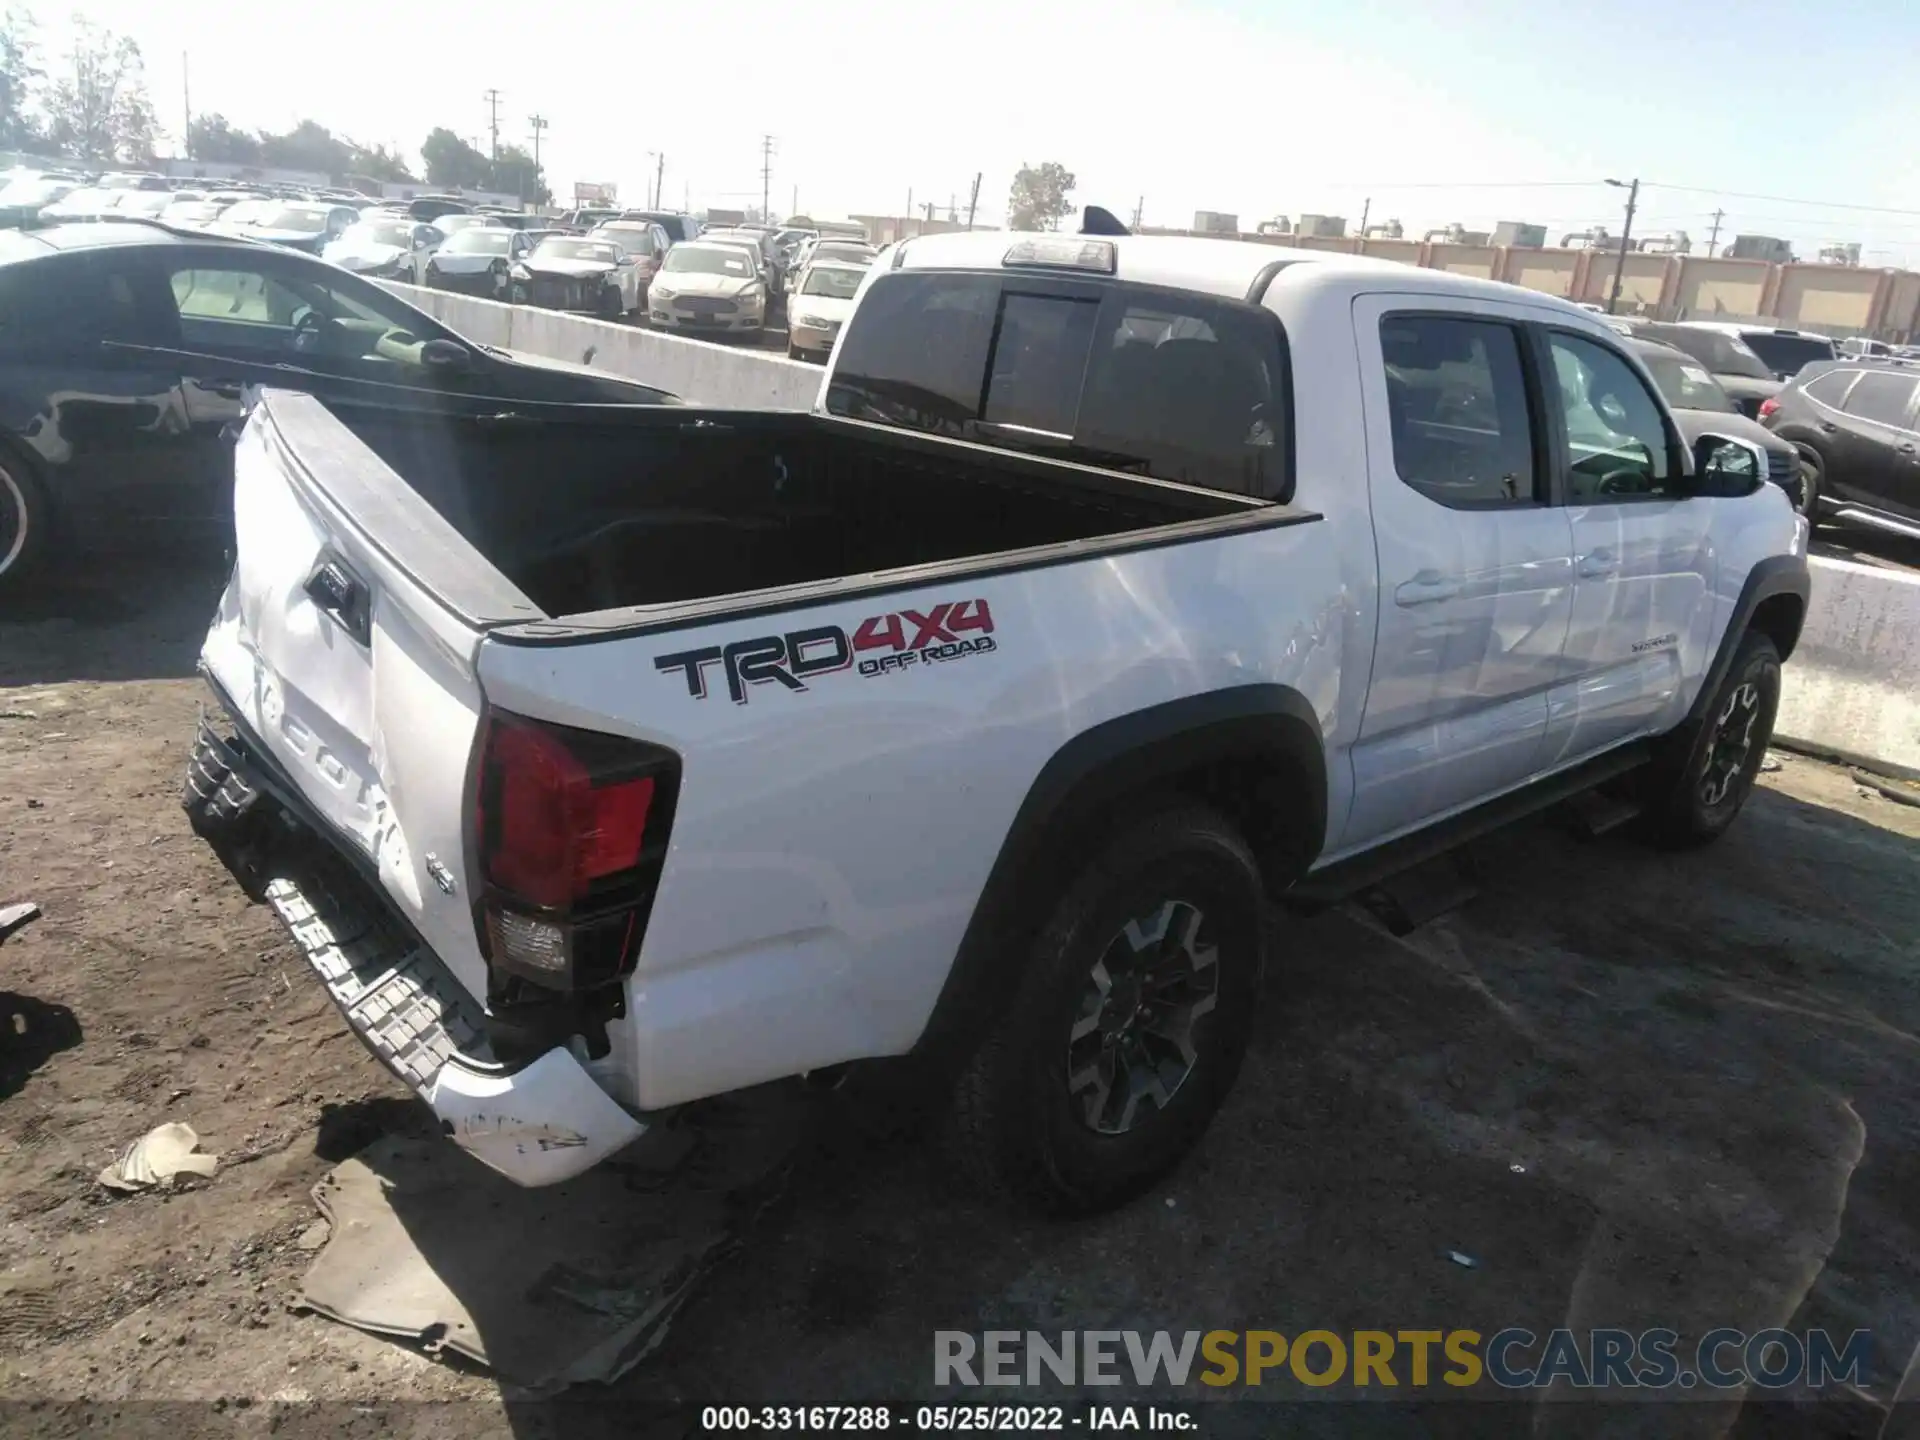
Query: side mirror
column 1724, row 466
column 447, row 355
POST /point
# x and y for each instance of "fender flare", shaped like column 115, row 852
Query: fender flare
column 1773, row 576
column 1140, row 751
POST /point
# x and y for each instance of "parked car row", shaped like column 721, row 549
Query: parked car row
column 1846, row 412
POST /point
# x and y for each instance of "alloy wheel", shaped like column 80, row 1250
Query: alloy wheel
column 1731, row 743
column 1132, row 1044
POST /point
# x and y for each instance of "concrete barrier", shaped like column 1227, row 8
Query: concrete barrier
column 1852, row 689
column 695, row 370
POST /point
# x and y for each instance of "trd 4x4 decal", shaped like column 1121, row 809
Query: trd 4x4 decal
column 880, row 645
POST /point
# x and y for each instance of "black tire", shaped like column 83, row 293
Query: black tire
column 1699, row 789
column 1813, row 481
column 26, row 522
column 1019, row 1127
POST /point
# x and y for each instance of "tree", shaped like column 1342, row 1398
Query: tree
column 378, row 163
column 17, row 76
column 1039, row 198
column 97, row 109
column 212, row 137
column 514, row 173
column 308, row 146
column 451, row 161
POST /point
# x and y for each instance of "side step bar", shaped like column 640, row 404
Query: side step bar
column 1346, row 878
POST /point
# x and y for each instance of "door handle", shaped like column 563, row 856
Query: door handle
column 1907, row 448
column 1828, row 426
column 1427, row 588
column 1597, row 564
column 226, row 389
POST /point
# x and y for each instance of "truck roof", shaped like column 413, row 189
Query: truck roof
column 1212, row 267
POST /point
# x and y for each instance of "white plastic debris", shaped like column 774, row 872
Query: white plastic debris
column 1466, row 1262
column 1517, row 1168
column 156, row 1157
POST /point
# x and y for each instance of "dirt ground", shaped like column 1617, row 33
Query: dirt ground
column 1702, row 1066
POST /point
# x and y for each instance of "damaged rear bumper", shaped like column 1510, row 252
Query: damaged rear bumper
column 536, row 1124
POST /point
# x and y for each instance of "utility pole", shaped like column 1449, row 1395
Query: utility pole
column 539, row 124
column 1714, row 238
column 1626, row 235
column 659, row 178
column 796, row 201
column 766, row 178
column 973, row 200
column 1139, row 210
column 492, row 97
column 1366, row 209
column 186, row 108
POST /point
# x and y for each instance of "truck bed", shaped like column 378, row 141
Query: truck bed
column 588, row 509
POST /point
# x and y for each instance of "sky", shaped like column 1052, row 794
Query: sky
column 1469, row 110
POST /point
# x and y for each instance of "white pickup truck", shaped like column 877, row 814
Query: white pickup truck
column 603, row 759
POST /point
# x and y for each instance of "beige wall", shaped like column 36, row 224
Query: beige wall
column 1903, row 306
column 1720, row 287
column 1478, row 260
column 1407, row 252
column 1642, row 279
column 1548, row 271
column 1812, row 296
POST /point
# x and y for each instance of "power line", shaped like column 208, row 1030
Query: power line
column 1785, row 200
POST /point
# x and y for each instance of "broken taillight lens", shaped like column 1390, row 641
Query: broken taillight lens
column 571, row 828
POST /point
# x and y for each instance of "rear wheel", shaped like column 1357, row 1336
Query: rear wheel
column 1129, row 1025
column 24, row 521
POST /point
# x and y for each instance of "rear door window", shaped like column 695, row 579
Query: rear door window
column 1164, row 383
column 1882, row 398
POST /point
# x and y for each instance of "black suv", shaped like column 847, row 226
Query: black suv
column 128, row 349
column 1856, row 424
column 1746, row 377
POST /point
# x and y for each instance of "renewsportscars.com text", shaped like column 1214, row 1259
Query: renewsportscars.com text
column 1510, row 1359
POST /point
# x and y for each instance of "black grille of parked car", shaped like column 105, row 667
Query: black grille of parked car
column 567, row 294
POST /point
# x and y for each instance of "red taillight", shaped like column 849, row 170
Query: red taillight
column 564, row 818
column 1769, row 405
column 555, row 831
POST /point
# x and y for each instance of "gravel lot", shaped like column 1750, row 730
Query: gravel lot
column 1705, row 1066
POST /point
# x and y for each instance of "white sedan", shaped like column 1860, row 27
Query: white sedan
column 385, row 249
column 708, row 286
column 820, row 307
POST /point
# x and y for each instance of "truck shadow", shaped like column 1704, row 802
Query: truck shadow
column 1615, row 1089
column 110, row 617
column 1630, row 1089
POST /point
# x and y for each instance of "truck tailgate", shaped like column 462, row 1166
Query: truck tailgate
column 353, row 688
column 357, row 682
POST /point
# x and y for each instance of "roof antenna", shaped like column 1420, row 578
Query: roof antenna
column 1098, row 221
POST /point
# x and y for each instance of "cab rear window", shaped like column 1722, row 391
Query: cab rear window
column 1164, row 383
